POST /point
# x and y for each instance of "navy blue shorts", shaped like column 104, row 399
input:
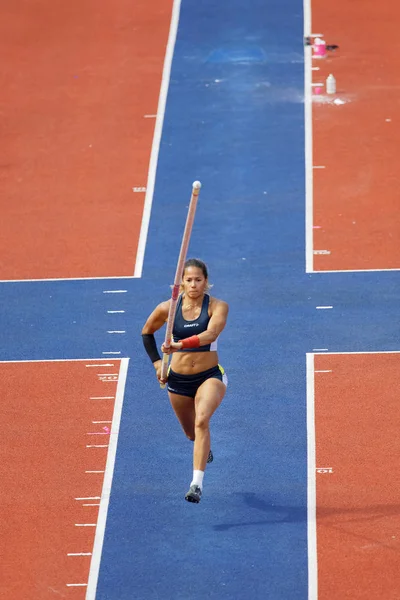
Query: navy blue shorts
column 187, row 385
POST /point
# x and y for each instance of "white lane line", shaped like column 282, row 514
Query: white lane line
column 66, row 279
column 79, row 554
column 325, row 371
column 91, row 504
column 365, row 352
column 76, row 584
column 315, row 69
column 356, row 270
column 116, row 331
column 94, row 471
column 89, row 498
column 103, row 365
column 320, row 349
column 85, row 524
column 107, row 374
column 114, row 312
column 155, row 148
column 101, row 421
column 308, row 140
column 106, row 491
column 311, row 484
column 96, row 445
column 323, row 307
column 50, row 360
column 115, row 291
column 111, row 352
column 102, row 397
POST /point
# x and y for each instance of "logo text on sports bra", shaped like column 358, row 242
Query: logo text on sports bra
column 192, row 325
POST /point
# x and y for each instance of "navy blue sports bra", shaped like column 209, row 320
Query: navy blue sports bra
column 183, row 329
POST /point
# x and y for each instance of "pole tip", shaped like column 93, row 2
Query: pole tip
column 196, row 185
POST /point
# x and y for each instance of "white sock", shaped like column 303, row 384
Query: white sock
column 198, row 478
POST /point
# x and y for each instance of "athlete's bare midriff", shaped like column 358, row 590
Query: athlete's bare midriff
column 190, row 363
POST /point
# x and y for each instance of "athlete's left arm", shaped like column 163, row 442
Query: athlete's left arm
column 216, row 323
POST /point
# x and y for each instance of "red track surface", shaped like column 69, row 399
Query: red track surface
column 46, row 417
column 356, row 195
column 358, row 517
column 76, row 82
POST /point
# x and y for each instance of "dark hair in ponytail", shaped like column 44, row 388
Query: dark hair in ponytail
column 196, row 262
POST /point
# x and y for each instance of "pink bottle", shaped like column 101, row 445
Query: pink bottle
column 319, row 48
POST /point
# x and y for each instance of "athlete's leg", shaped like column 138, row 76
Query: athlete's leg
column 208, row 397
column 184, row 409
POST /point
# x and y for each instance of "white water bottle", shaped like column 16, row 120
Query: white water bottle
column 330, row 84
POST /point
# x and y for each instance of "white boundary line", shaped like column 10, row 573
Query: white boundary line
column 360, row 352
column 105, row 494
column 356, row 270
column 41, row 360
column 311, row 484
column 66, row 279
column 308, row 141
column 157, row 138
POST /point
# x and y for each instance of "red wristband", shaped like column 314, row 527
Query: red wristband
column 191, row 342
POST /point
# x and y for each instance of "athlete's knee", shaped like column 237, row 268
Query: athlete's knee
column 202, row 421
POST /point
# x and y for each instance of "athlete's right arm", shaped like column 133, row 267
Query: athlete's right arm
column 155, row 321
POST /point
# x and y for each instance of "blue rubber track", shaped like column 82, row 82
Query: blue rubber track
column 234, row 120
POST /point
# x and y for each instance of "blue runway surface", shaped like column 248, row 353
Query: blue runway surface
column 235, row 121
